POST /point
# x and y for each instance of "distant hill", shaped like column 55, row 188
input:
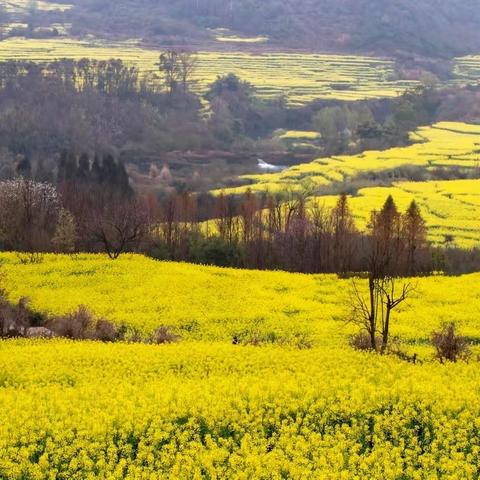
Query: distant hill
column 435, row 28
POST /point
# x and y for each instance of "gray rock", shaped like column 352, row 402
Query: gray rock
column 39, row 332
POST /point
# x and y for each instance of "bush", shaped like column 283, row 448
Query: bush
column 105, row 331
column 362, row 341
column 81, row 325
column 73, row 325
column 15, row 319
column 216, row 251
column 450, row 346
column 164, row 335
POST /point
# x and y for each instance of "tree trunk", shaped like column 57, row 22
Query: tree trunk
column 372, row 319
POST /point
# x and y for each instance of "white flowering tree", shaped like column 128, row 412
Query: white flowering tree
column 29, row 213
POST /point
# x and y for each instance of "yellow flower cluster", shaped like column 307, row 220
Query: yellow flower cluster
column 205, row 408
column 199, row 410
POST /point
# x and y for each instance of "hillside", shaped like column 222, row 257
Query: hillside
column 439, row 28
column 239, row 239
column 436, row 28
column 216, row 304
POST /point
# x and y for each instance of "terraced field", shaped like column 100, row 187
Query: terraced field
column 468, row 69
column 444, row 145
column 22, row 6
column 300, row 77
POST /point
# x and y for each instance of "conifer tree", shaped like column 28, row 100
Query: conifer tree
column 414, row 234
column 343, row 228
column 83, row 170
column 65, row 233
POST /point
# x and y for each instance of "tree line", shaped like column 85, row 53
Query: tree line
column 291, row 233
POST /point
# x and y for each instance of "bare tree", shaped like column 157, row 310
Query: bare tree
column 373, row 313
column 29, row 213
column 386, row 247
column 187, row 64
column 177, row 68
column 118, row 225
column 391, row 297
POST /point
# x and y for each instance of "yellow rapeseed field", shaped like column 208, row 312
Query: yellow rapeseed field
column 301, row 77
column 467, row 69
column 451, row 208
column 217, row 411
column 213, row 303
column 206, row 409
column 443, row 145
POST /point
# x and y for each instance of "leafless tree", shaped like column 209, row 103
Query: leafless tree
column 373, row 313
column 29, row 213
column 118, row 225
column 187, row 64
column 177, row 68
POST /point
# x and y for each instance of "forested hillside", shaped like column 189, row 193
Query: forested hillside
column 429, row 27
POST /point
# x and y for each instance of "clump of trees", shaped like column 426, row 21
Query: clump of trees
column 29, row 213
column 289, row 232
column 177, row 68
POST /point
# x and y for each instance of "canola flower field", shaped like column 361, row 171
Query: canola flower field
column 450, row 208
column 216, row 304
column 443, row 145
column 300, row 77
column 204, row 408
column 81, row 411
column 468, row 68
